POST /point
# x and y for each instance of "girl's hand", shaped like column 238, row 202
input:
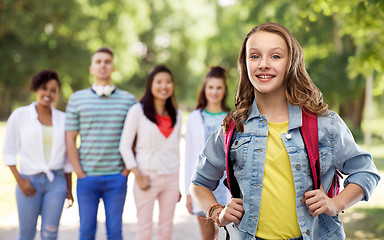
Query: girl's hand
column 81, row 175
column 188, row 204
column 233, row 212
column 69, row 197
column 318, row 202
column 143, row 182
column 125, row 172
column 26, row 187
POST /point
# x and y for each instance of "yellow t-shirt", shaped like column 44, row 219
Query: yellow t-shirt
column 277, row 219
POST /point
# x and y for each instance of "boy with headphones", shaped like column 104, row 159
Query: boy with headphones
column 97, row 114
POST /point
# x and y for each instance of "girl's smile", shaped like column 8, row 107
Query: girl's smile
column 265, row 77
column 215, row 90
column 46, row 94
column 162, row 86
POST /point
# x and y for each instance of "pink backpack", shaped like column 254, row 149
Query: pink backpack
column 309, row 132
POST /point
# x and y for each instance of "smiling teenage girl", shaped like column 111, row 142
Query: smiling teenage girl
column 201, row 123
column 36, row 134
column 156, row 123
column 268, row 152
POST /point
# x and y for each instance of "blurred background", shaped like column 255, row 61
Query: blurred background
column 343, row 43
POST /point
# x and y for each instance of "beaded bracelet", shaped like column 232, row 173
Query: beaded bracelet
column 215, row 218
column 210, row 211
column 213, row 208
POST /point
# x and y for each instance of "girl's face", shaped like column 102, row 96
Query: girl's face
column 162, row 86
column 46, row 94
column 266, row 60
column 214, row 90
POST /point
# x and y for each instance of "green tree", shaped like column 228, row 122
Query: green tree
column 341, row 41
column 336, row 36
column 176, row 35
column 36, row 35
column 360, row 24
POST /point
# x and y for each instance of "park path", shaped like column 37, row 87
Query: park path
column 185, row 226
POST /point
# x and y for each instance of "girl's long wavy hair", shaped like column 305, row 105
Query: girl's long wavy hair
column 299, row 87
column 147, row 101
column 215, row 72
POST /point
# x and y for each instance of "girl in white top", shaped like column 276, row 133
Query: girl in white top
column 36, row 134
column 155, row 123
column 201, row 123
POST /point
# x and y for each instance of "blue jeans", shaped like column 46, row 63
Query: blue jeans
column 113, row 190
column 47, row 202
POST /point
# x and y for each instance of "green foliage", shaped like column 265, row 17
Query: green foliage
column 342, row 43
column 36, row 35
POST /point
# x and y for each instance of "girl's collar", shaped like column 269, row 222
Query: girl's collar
column 293, row 110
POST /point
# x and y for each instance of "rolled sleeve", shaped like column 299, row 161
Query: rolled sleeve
column 200, row 180
column 366, row 180
column 9, row 159
column 211, row 163
column 352, row 160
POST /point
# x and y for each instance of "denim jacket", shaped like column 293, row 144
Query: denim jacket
column 248, row 149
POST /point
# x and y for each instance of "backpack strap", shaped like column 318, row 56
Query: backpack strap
column 335, row 187
column 309, row 131
column 230, row 181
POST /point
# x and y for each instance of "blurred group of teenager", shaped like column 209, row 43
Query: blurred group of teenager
column 119, row 136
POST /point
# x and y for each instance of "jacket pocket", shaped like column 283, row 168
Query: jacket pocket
column 239, row 150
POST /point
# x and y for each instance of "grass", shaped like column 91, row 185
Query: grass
column 7, row 192
column 7, row 182
column 364, row 223
column 379, row 161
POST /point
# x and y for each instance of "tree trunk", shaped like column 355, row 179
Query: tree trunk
column 6, row 104
column 368, row 110
column 353, row 111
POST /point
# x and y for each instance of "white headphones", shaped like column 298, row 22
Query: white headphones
column 103, row 90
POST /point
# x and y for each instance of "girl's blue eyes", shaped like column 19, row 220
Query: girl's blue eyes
column 274, row 57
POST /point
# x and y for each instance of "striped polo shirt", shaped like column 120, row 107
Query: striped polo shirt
column 100, row 121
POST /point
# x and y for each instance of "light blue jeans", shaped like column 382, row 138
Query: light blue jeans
column 113, row 190
column 47, row 202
